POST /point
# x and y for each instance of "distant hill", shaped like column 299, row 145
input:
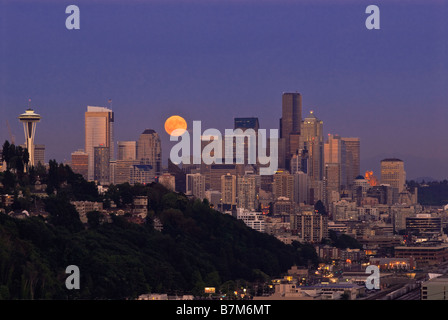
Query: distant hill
column 432, row 193
column 415, row 166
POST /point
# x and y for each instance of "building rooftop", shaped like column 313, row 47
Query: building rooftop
column 391, row 160
column 149, row 131
column 97, row 109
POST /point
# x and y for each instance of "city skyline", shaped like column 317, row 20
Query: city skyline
column 360, row 83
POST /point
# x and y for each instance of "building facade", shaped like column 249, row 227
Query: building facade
column 99, row 131
column 80, row 163
column 149, row 150
column 393, row 173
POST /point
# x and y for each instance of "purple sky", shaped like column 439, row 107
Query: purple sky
column 216, row 60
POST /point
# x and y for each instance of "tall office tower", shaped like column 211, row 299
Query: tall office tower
column 301, row 187
column 290, row 126
column 332, row 183
column 99, row 130
column 149, row 150
column 334, row 153
column 247, row 191
column 228, row 189
column 245, row 124
column 30, row 120
column 195, row 185
column 127, row 150
column 352, row 159
column 283, row 185
column 392, row 173
column 101, row 161
column 80, row 163
column 312, row 139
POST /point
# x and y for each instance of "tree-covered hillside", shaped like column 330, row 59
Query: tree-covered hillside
column 197, row 247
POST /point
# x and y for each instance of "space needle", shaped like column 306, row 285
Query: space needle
column 30, row 120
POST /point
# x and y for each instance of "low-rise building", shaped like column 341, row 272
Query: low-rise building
column 424, row 254
column 435, row 288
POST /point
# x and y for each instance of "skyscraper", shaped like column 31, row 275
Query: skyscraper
column 98, row 131
column 101, row 160
column 30, row 120
column 335, row 153
column 393, row 174
column 352, row 160
column 312, row 139
column 290, row 126
column 149, row 150
column 335, row 167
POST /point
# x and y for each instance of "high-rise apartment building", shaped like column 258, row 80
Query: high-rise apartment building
column 228, row 189
column 247, row 191
column 283, row 185
column 99, row 131
column 309, row 225
column 393, row 173
column 126, row 150
column 101, row 161
column 290, row 123
column 195, row 185
column 149, row 150
column 80, row 163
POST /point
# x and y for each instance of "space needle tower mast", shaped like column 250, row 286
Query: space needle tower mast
column 30, row 120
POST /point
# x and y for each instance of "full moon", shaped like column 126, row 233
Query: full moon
column 173, row 123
